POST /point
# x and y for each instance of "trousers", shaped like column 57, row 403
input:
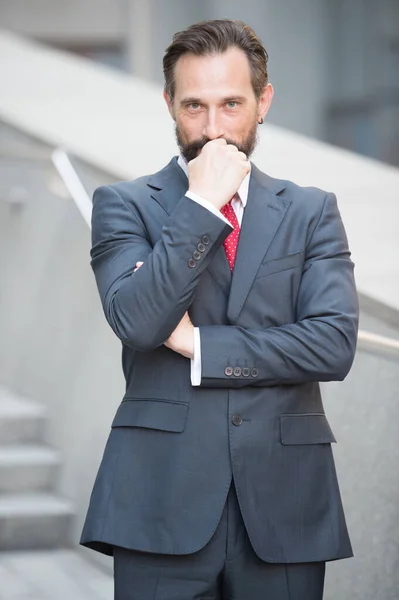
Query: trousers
column 226, row 568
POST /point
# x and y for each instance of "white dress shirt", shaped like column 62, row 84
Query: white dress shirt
column 238, row 203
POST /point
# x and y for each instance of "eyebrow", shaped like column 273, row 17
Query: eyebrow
column 190, row 101
column 193, row 100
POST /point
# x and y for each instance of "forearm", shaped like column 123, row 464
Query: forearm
column 318, row 346
column 311, row 350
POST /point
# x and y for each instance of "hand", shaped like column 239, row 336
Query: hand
column 217, row 173
column 182, row 339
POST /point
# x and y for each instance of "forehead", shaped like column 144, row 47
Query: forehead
column 227, row 73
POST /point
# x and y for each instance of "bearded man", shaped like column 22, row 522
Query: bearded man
column 233, row 296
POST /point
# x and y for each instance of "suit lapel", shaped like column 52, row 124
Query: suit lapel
column 263, row 215
column 168, row 186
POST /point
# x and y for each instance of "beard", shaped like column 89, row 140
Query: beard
column 191, row 150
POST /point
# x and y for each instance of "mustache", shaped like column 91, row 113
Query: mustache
column 197, row 145
column 191, row 150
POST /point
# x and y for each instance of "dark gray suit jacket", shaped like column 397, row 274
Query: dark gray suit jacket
column 284, row 321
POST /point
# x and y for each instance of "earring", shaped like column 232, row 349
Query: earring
column 260, row 121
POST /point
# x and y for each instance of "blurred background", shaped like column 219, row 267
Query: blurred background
column 80, row 106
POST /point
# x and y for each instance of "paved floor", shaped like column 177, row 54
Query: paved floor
column 52, row 575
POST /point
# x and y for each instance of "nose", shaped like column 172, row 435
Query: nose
column 212, row 128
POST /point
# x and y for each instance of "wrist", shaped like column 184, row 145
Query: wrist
column 208, row 196
column 188, row 344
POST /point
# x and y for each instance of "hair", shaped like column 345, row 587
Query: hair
column 216, row 37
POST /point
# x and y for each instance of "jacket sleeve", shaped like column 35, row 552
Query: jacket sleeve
column 319, row 346
column 144, row 308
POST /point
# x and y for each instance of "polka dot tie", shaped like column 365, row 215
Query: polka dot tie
column 231, row 242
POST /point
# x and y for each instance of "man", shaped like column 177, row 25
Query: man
column 233, row 296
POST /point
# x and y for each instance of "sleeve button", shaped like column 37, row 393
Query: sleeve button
column 205, row 239
column 246, row 372
column 201, row 247
column 254, row 372
column 197, row 255
column 228, row 371
column 237, row 371
column 191, row 263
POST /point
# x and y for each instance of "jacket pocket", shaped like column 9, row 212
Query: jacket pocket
column 281, row 264
column 151, row 413
column 306, row 428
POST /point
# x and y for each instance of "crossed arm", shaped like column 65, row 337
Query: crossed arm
column 147, row 306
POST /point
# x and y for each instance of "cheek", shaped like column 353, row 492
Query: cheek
column 238, row 124
column 190, row 126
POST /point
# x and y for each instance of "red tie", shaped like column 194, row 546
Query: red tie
column 231, row 242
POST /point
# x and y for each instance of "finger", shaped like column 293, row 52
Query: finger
column 243, row 156
column 232, row 148
column 218, row 142
column 138, row 265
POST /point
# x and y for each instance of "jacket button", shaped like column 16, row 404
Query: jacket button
column 201, row 247
column 237, row 371
column 237, row 420
column 197, row 255
column 205, row 239
column 246, row 372
column 254, row 372
column 228, row 371
column 191, row 263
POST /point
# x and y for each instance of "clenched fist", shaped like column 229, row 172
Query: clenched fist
column 217, row 173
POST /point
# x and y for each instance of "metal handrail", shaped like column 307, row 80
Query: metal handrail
column 83, row 202
column 378, row 341
column 73, row 183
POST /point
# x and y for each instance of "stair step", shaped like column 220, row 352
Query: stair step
column 34, row 521
column 27, row 468
column 21, row 420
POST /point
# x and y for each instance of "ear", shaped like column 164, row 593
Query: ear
column 169, row 103
column 265, row 101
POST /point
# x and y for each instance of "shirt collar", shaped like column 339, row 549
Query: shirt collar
column 242, row 190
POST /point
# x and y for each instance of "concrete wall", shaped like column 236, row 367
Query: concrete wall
column 72, row 22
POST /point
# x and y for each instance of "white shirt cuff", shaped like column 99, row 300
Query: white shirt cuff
column 208, row 205
column 196, row 361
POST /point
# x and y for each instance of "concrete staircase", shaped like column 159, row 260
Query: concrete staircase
column 32, row 516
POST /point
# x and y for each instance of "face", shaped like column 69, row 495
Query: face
column 214, row 99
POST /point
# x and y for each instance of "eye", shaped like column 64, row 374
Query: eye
column 194, row 106
column 232, row 104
